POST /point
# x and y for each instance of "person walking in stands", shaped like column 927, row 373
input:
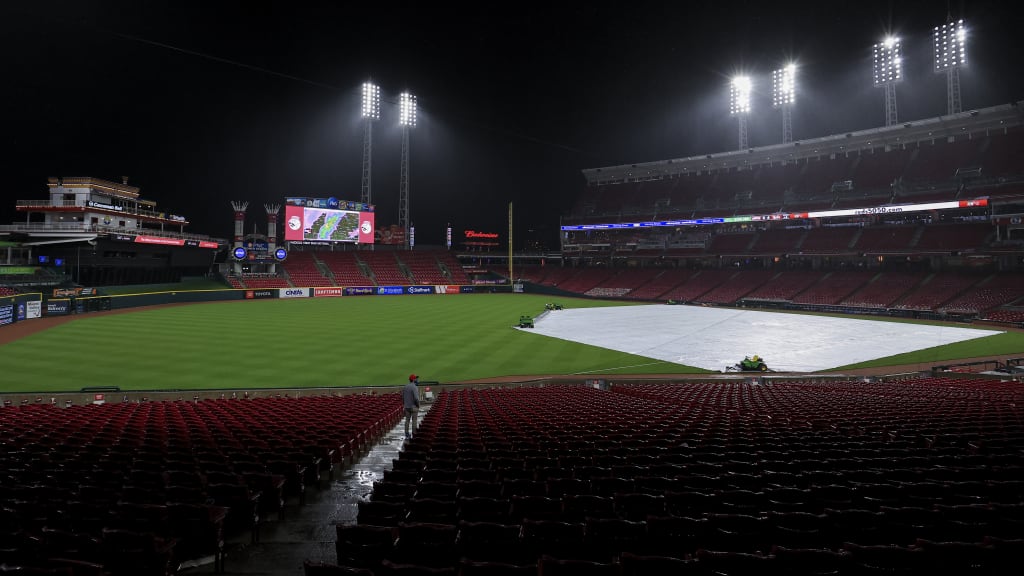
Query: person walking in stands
column 411, row 400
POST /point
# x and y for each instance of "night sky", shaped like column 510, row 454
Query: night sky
column 200, row 103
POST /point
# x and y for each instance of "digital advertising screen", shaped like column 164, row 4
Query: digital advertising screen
column 326, row 225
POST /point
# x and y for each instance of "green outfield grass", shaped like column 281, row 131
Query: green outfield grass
column 987, row 347
column 360, row 341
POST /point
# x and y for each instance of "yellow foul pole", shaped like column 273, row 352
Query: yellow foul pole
column 511, row 278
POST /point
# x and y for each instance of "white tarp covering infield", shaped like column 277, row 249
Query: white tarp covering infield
column 713, row 338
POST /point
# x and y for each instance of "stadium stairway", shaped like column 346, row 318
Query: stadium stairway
column 308, row 532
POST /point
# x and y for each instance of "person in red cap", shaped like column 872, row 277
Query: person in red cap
column 411, row 400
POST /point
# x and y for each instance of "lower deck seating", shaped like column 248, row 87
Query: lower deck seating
column 917, row 474
column 139, row 487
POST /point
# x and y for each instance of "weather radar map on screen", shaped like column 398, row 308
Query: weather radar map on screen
column 319, row 224
column 334, row 225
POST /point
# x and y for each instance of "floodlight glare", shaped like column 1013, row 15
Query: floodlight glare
column 739, row 95
column 950, row 45
column 371, row 101
column 887, row 62
column 407, row 109
column 784, row 85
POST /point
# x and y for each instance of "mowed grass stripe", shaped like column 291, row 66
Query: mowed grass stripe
column 304, row 343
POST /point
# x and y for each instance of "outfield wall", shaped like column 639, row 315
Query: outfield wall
column 63, row 302
column 20, row 308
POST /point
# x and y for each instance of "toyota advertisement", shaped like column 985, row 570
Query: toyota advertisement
column 305, row 224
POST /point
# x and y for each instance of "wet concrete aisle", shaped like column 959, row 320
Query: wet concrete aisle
column 308, row 531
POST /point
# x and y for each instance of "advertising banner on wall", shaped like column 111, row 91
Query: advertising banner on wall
column 33, row 309
column 6, row 314
column 360, row 290
column 58, row 307
column 319, row 292
column 293, row 293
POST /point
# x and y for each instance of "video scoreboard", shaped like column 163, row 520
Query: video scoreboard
column 328, row 220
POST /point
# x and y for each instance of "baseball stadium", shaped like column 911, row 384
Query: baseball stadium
column 798, row 358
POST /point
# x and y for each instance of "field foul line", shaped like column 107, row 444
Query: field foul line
column 622, row 367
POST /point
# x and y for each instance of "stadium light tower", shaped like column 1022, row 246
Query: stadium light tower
column 370, row 114
column 950, row 54
column 783, row 96
column 739, row 105
column 407, row 119
column 888, row 70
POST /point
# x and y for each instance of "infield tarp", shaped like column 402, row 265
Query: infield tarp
column 713, row 338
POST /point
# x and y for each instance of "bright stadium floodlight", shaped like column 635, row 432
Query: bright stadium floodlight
column 739, row 95
column 784, row 85
column 783, row 96
column 888, row 61
column 407, row 109
column 371, row 101
column 739, row 105
column 370, row 112
column 950, row 45
column 407, row 119
column 950, row 42
column 887, row 68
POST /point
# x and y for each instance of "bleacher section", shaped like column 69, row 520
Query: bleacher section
column 916, row 476
column 830, row 240
column 833, row 288
column 139, row 488
column 384, row 266
column 662, row 284
column 425, row 267
column 935, row 291
column 1013, row 316
column 886, row 239
column 586, row 279
column 784, row 287
column 883, row 290
column 731, row 243
column 925, row 170
column 699, row 284
column 345, row 268
column 739, row 285
column 779, row 241
column 953, row 237
column 448, row 261
column 625, row 282
column 990, row 293
column 303, row 270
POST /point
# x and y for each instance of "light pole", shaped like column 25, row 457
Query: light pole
column 950, row 42
column 888, row 70
column 783, row 96
column 407, row 119
column 370, row 113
